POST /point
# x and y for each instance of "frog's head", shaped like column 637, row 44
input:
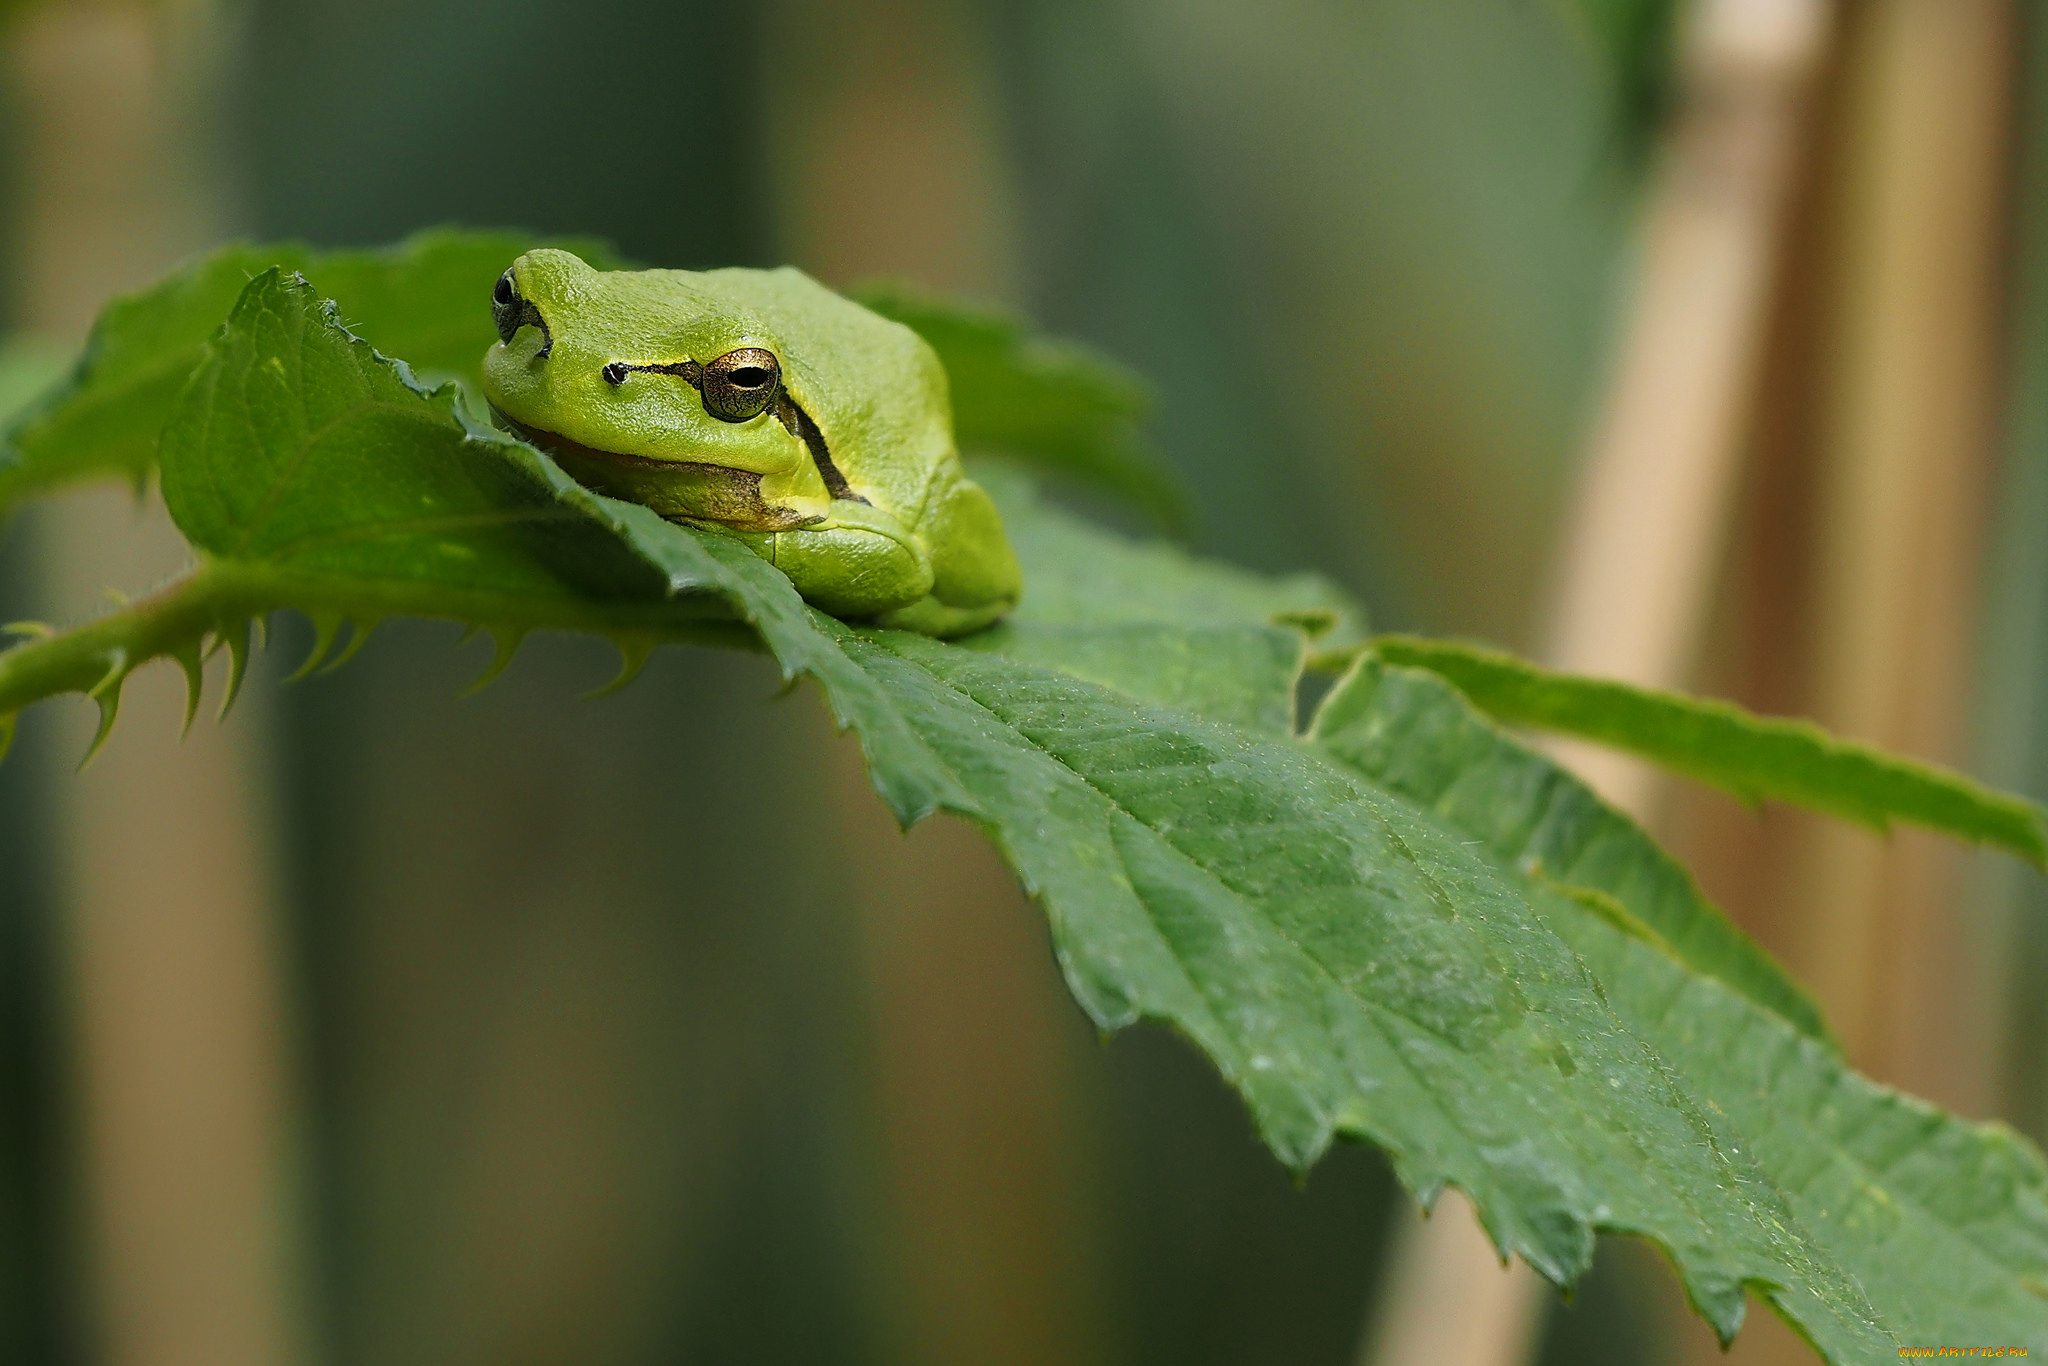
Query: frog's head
column 654, row 386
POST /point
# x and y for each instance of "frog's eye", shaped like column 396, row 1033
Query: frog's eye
column 741, row 384
column 511, row 312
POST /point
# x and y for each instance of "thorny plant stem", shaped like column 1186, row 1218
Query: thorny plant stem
column 216, row 604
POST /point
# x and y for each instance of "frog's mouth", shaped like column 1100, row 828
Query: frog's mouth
column 681, row 490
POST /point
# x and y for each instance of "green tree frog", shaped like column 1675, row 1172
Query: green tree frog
column 760, row 404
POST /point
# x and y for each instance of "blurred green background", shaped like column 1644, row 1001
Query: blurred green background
column 629, row 1031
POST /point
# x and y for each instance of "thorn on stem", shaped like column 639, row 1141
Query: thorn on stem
column 358, row 637
column 110, row 681
column 29, row 630
column 326, row 625
column 107, row 693
column 507, row 641
column 189, row 660
column 633, row 655
column 235, row 636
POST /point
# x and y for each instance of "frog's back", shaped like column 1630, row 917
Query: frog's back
column 875, row 388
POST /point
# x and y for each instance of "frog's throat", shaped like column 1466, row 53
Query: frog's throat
column 685, row 489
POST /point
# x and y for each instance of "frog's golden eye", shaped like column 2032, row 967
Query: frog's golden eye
column 741, row 384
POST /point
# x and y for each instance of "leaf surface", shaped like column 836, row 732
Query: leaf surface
column 1546, row 825
column 1352, row 969
column 1754, row 757
column 1943, row 1223
column 424, row 299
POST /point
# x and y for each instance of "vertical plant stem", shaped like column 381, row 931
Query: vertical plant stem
column 1645, row 538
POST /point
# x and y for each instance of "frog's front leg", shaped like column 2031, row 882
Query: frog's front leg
column 861, row 562
column 975, row 577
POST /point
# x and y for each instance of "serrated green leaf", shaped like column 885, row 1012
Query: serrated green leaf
column 1352, row 969
column 1394, row 723
column 1943, row 1223
column 106, row 419
column 1755, row 757
column 1083, row 577
column 1063, row 407
column 1156, row 623
column 1244, row 675
column 423, row 299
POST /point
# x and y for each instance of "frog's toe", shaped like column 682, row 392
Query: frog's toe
column 854, row 570
column 930, row 617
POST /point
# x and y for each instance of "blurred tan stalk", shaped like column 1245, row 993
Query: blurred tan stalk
column 1906, row 447
column 176, row 1004
column 1856, row 591
column 887, row 164
column 1644, row 541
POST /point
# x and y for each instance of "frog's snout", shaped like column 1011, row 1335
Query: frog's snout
column 512, row 311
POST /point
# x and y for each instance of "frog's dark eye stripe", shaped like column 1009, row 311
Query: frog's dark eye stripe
column 511, row 312
column 692, row 373
column 739, row 385
column 798, row 424
column 748, row 382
